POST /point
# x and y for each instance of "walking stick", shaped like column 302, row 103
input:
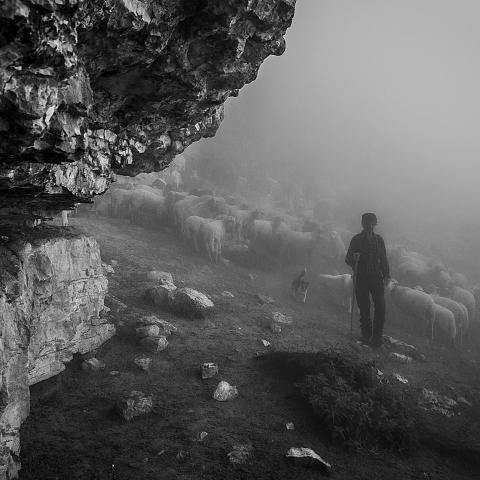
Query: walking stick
column 352, row 303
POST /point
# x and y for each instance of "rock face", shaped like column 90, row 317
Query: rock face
column 87, row 87
column 52, row 293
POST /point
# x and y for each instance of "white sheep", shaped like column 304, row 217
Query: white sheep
column 444, row 324
column 213, row 235
column 465, row 297
column 192, row 229
column 413, row 303
column 340, row 287
column 459, row 311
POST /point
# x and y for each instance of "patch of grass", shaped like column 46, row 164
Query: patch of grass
column 350, row 402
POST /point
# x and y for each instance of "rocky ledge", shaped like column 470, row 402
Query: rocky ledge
column 88, row 87
column 51, row 303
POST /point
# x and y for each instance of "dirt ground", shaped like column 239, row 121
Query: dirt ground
column 73, row 432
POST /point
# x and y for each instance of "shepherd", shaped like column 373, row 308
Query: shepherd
column 367, row 256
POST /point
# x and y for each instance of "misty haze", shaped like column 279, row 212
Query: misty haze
column 240, row 239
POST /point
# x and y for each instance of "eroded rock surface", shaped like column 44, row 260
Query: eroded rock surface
column 51, row 299
column 87, row 87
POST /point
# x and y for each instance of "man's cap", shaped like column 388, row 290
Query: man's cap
column 369, row 218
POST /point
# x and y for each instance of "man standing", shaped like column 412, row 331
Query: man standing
column 368, row 258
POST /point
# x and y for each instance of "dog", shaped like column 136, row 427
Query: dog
column 300, row 286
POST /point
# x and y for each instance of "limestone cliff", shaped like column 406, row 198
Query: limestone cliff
column 91, row 86
column 51, row 299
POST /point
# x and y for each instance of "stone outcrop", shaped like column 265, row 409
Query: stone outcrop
column 51, row 302
column 88, row 87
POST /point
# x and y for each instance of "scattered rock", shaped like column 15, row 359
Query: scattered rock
column 264, row 299
column 93, row 365
column 164, row 278
column 400, row 357
column 148, row 331
column 162, row 295
column 307, row 457
column 399, row 343
column 154, row 344
column 275, row 328
column 227, row 294
column 290, row 426
column 108, row 269
column 265, row 343
column 208, row 370
column 225, row 391
column 201, row 436
column 281, row 318
column 431, row 400
column 165, row 327
column 240, row 453
column 134, row 404
column 143, row 362
column 114, row 373
column 399, row 378
column 191, row 302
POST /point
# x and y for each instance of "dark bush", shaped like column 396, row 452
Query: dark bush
column 355, row 407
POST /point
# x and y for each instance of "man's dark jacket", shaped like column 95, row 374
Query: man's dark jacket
column 373, row 255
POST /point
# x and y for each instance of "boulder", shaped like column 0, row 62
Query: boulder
column 399, row 357
column 192, row 303
column 134, row 404
column 162, row 295
column 52, row 288
column 143, row 362
column 148, row 331
column 163, row 278
column 264, row 299
column 307, row 457
column 281, row 318
column 208, row 370
column 154, row 344
column 224, row 392
column 166, row 328
column 93, row 365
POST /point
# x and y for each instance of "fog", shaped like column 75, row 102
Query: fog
column 378, row 96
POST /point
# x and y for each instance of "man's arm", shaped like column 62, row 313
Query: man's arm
column 352, row 250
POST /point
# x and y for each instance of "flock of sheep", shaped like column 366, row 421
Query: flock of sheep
column 435, row 299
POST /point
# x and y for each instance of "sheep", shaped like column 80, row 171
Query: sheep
column 459, row 312
column 465, row 297
column 299, row 246
column 147, row 208
column 459, row 279
column 413, row 303
column 241, row 221
column 340, row 287
column 213, row 235
column 193, row 225
column 183, row 209
column 444, row 324
column 334, row 246
column 259, row 235
column 413, row 271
